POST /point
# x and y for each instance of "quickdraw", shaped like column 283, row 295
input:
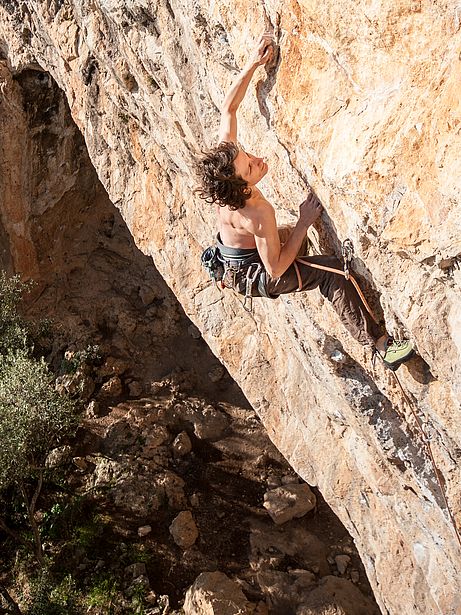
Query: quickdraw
column 252, row 273
column 347, row 251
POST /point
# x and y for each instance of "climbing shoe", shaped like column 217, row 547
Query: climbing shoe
column 397, row 352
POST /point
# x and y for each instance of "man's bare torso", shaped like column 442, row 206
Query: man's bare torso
column 235, row 226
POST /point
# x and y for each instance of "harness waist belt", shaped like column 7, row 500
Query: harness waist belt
column 235, row 254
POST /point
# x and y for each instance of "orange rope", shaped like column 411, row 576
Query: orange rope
column 298, row 275
column 426, row 442
column 325, row 268
column 423, row 434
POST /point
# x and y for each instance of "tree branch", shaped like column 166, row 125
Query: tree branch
column 13, row 608
column 30, row 513
column 38, row 489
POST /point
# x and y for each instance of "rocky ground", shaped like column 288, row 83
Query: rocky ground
column 188, row 490
column 172, row 495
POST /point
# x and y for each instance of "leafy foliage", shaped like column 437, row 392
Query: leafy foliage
column 76, row 360
column 48, row 598
column 103, row 593
column 14, row 331
column 33, row 416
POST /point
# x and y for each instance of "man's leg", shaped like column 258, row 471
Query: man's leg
column 339, row 291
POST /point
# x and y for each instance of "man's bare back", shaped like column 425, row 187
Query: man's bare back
column 236, row 227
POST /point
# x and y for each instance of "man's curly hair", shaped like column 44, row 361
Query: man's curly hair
column 219, row 181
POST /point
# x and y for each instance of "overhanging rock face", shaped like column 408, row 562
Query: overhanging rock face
column 363, row 103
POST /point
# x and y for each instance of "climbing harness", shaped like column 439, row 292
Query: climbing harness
column 219, row 260
column 233, row 261
column 426, row 442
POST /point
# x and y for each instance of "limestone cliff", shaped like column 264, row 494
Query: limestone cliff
column 362, row 104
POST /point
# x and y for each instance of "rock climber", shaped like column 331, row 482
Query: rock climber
column 256, row 263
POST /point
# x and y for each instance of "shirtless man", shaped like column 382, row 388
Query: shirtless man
column 256, row 262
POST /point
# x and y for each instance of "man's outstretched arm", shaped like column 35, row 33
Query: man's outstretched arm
column 237, row 91
column 275, row 257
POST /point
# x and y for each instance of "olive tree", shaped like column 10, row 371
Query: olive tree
column 34, row 417
column 14, row 330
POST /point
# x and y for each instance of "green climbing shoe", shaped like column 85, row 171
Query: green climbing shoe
column 397, row 352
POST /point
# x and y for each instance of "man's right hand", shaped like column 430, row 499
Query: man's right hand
column 310, row 210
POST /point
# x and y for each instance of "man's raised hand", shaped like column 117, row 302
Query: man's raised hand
column 264, row 50
column 310, row 210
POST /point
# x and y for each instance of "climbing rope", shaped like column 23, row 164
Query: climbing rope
column 426, row 441
column 344, row 273
column 347, row 251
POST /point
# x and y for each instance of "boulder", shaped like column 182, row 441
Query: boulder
column 289, row 502
column 111, row 388
column 337, row 596
column 182, row 445
column 183, row 529
column 210, row 424
column 213, row 593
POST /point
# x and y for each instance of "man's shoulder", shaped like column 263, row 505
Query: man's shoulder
column 259, row 203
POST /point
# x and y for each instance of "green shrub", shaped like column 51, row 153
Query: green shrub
column 34, row 417
column 88, row 534
column 88, row 356
column 103, row 593
column 47, row 597
column 65, row 594
column 14, row 331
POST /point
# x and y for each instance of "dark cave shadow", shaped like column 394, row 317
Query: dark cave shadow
column 91, row 273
